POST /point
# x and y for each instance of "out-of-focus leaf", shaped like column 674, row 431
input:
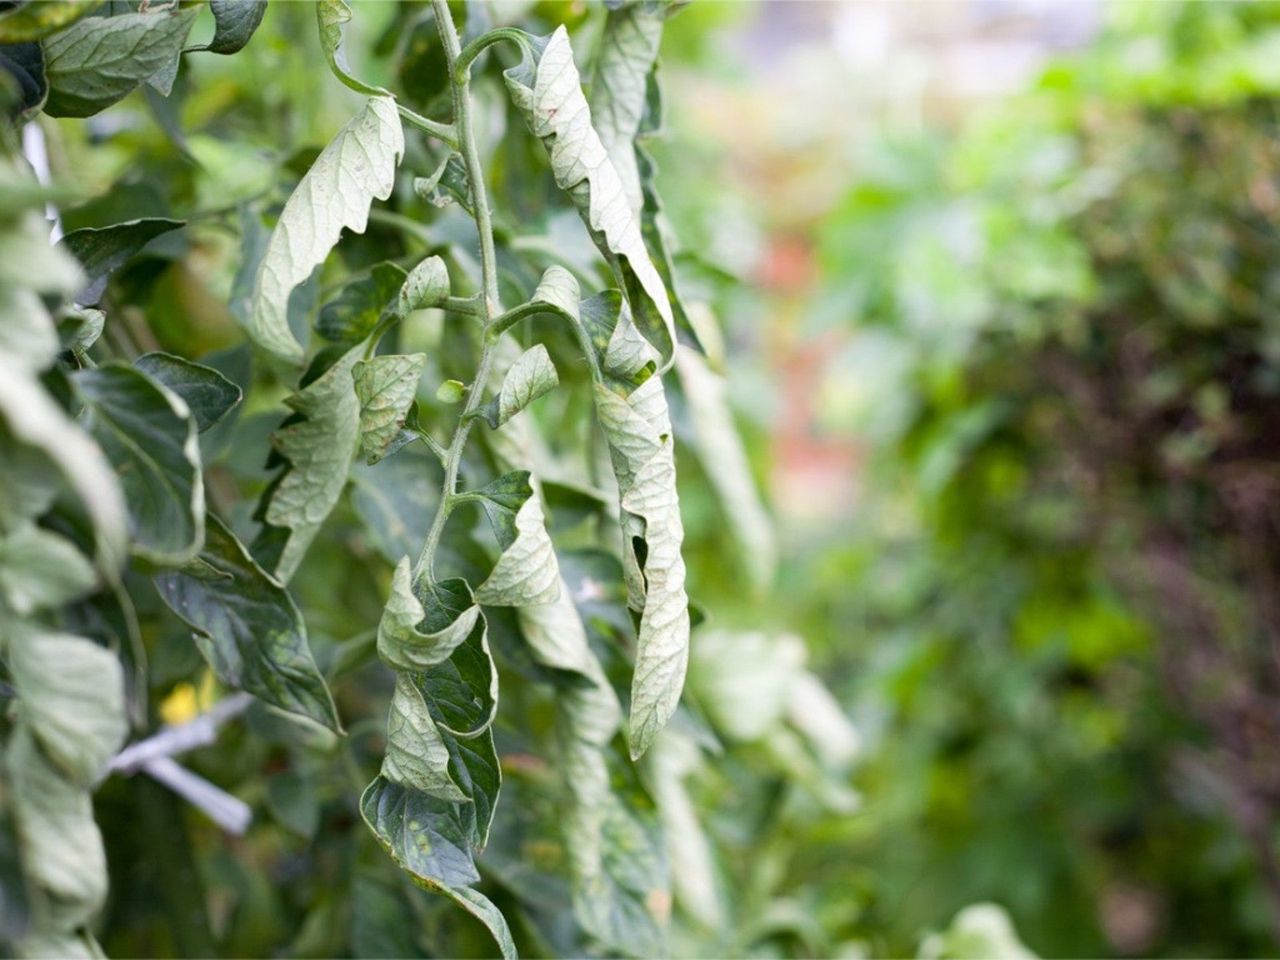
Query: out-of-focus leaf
column 103, row 250
column 39, row 18
column 149, row 436
column 99, row 60
column 61, row 847
column 41, row 570
column 71, row 696
column 356, row 168
column 724, row 460
column 24, row 64
column 35, row 420
column 248, row 627
column 208, row 394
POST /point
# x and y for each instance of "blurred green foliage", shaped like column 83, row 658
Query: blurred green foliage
column 1053, row 607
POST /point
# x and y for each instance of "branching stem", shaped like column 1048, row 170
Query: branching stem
column 489, row 307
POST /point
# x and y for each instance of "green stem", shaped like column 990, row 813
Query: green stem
column 443, row 132
column 462, row 63
column 460, row 83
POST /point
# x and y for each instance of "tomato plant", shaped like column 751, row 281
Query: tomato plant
column 405, row 437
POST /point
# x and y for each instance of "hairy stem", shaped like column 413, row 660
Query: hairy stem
column 460, row 84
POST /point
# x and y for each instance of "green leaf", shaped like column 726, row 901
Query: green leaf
column 357, row 167
column 526, row 571
column 248, row 627
column 434, row 839
column 386, row 386
column 40, row 570
column 103, row 250
column 426, row 286
column 319, row 449
column 558, row 288
column 331, row 16
column 35, row 420
column 99, row 60
column 546, row 88
column 234, row 23
column 451, row 391
column 149, row 436
column 80, row 327
column 208, row 394
column 31, row 274
column 531, row 376
column 71, row 694
column 352, row 316
column 62, row 850
column 402, row 643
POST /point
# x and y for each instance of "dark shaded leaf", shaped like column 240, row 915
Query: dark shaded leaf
column 248, row 627
column 208, row 394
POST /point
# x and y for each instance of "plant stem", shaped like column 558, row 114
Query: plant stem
column 460, row 84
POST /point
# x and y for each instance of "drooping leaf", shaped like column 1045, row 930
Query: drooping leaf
column 103, row 250
column 331, row 16
column 41, row 570
column 431, row 839
column 149, row 436
column 638, row 429
column 526, row 571
column 35, row 420
column 403, row 643
column 531, row 376
column 620, row 87
column 71, row 695
column 386, row 386
column 546, row 88
column 417, row 756
column 234, row 23
column 208, row 394
column 99, row 60
column 357, row 167
column 248, row 627
column 319, row 449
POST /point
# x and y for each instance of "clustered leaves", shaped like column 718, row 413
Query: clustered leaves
column 518, row 561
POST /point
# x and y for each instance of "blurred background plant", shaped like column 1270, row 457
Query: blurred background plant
column 999, row 288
